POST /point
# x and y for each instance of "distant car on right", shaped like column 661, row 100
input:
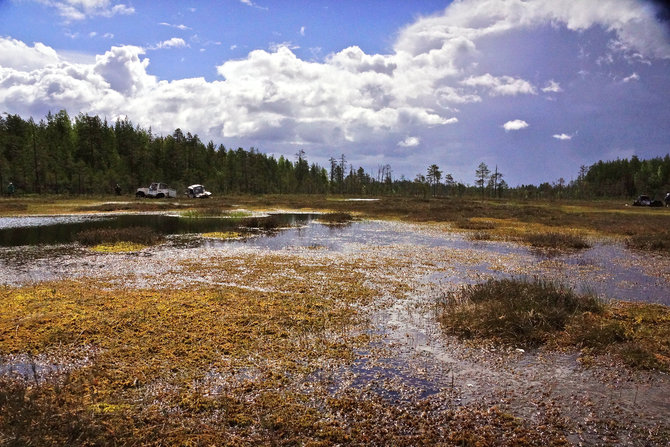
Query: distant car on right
column 645, row 200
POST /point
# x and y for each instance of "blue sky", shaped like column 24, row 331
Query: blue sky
column 537, row 87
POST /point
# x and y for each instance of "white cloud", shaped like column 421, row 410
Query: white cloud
column 253, row 5
column 552, row 87
column 410, row 142
column 74, row 10
column 562, row 136
column 633, row 77
column 502, row 85
column 175, row 42
column 17, row 55
column 179, row 27
column 302, row 30
column 514, row 125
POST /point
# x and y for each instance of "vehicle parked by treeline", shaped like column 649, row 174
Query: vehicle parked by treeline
column 156, row 191
column 644, row 200
column 197, row 192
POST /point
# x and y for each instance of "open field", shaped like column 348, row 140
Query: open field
column 335, row 333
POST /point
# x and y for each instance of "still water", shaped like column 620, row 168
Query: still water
column 17, row 231
column 608, row 269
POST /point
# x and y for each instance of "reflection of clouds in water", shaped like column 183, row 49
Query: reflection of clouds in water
column 36, row 221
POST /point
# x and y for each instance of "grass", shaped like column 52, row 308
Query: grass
column 335, row 218
column 118, row 247
column 223, row 235
column 659, row 242
column 518, row 312
column 113, row 236
column 174, row 367
column 556, row 241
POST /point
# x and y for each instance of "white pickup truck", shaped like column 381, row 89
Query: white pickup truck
column 156, row 191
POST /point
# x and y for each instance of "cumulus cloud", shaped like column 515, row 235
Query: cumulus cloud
column 410, row 142
column 515, row 125
column 19, row 56
column 448, row 78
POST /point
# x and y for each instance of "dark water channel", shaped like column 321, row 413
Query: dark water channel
column 18, row 231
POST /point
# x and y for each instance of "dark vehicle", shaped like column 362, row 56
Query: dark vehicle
column 647, row 201
column 197, row 192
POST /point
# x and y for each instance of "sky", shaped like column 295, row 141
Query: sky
column 536, row 88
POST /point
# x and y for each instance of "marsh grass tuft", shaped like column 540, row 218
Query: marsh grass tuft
column 513, row 311
column 556, row 241
column 136, row 235
column 270, row 222
column 472, row 224
column 335, row 218
column 652, row 242
column 532, row 313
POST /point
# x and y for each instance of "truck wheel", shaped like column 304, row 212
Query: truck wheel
column 160, row 195
column 139, row 194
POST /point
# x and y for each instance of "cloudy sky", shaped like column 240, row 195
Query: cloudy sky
column 535, row 87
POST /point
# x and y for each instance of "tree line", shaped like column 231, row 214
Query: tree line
column 88, row 155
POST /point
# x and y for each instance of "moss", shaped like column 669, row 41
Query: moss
column 118, row 247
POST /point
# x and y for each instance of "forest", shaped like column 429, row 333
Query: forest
column 88, row 155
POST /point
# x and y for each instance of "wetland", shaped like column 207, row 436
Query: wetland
column 313, row 321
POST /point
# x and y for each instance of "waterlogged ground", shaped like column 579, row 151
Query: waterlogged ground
column 400, row 364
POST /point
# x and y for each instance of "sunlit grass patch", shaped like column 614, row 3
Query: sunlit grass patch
column 223, row 235
column 159, row 354
column 118, row 247
column 12, row 206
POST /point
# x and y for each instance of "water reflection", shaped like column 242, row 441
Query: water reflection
column 609, row 270
column 18, row 231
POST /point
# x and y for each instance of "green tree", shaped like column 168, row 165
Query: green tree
column 434, row 175
column 482, row 174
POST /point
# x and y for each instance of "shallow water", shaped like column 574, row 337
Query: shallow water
column 410, row 358
column 607, row 269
